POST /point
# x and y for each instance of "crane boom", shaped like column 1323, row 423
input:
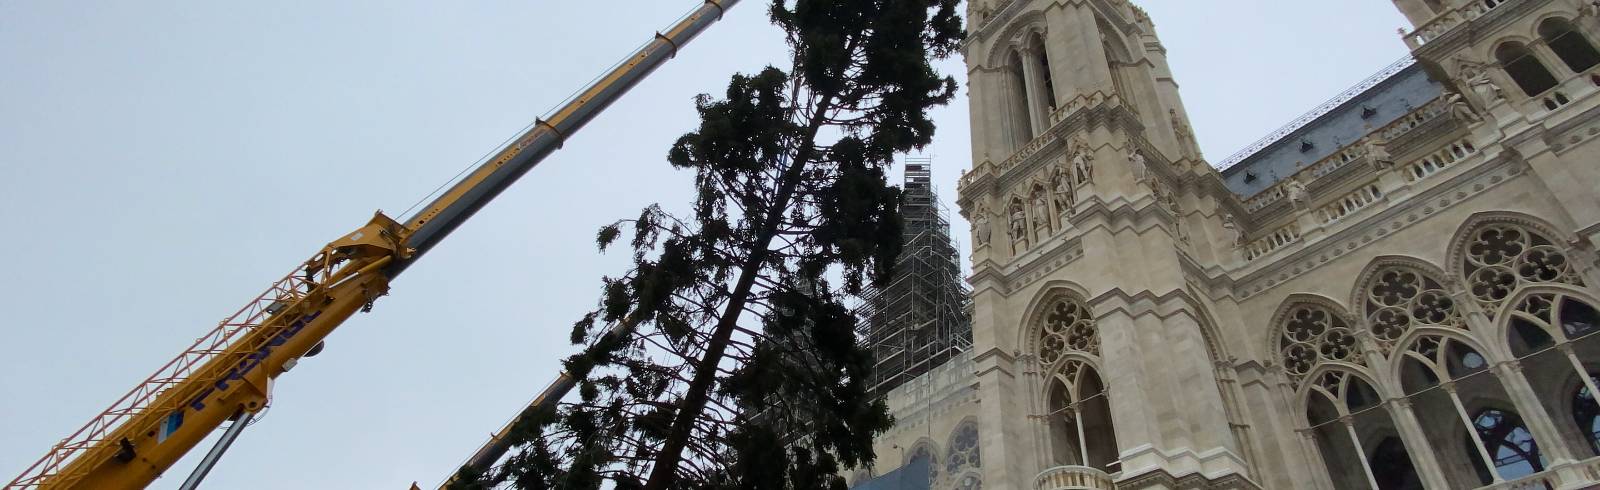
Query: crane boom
column 231, row 368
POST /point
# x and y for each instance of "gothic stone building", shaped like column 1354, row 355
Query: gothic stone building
column 1397, row 291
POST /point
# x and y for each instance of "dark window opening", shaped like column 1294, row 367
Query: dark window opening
column 1392, row 468
column 1569, row 45
column 1509, row 443
column 1527, row 71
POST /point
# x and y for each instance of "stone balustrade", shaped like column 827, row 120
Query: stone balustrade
column 1444, row 157
column 1415, row 119
column 1433, row 29
column 1279, row 238
column 1350, row 203
column 1073, row 478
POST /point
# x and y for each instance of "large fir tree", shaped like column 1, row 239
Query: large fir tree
column 739, row 366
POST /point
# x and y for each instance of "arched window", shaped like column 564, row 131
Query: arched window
column 962, row 453
column 923, row 456
column 1525, row 69
column 1392, row 468
column 1399, row 298
column 1047, row 84
column 1021, row 120
column 1537, row 324
column 1441, row 374
column 1569, row 45
column 1509, row 443
column 1340, row 406
column 1080, row 424
column 1078, row 410
column 1499, row 258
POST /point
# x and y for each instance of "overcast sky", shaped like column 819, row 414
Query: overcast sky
column 162, row 162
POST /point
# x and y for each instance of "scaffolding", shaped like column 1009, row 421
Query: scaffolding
column 921, row 318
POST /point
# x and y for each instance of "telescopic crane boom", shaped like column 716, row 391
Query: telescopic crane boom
column 227, row 372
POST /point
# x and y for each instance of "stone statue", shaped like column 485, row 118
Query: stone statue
column 1062, row 188
column 1461, row 110
column 1041, row 213
column 1296, row 192
column 1477, row 79
column 1141, row 171
column 1019, row 222
column 1081, row 165
column 1232, row 225
column 1186, row 142
column 1587, row 8
column 981, row 227
column 1377, row 152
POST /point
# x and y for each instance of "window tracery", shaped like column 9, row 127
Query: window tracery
column 1400, row 298
column 963, row 451
column 1312, row 335
column 1068, row 327
column 1501, row 257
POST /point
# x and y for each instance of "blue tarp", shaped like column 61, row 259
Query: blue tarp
column 912, row 476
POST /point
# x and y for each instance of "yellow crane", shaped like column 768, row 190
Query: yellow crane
column 227, row 374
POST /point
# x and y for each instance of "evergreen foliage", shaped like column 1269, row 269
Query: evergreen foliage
column 741, row 368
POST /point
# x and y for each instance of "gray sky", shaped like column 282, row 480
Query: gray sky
column 162, row 162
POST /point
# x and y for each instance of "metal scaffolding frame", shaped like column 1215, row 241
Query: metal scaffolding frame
column 921, row 318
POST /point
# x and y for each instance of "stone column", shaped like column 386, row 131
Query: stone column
column 1551, row 444
column 1034, row 87
column 1002, row 423
column 1423, row 458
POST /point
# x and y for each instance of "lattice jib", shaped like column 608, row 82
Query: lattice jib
column 285, row 291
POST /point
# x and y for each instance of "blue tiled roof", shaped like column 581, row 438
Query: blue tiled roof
column 1372, row 104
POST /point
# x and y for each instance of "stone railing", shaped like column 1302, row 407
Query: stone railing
column 1472, row 10
column 1415, row 119
column 1073, row 478
column 1279, row 238
column 1350, row 203
column 1079, row 102
column 1440, row 159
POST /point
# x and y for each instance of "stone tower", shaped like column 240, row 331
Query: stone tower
column 1090, row 201
column 1397, row 290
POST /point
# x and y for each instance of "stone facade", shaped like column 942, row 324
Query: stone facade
column 1394, row 292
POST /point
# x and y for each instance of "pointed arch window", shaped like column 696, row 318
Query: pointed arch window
column 1021, row 121
column 1047, row 85
column 1525, row 69
column 962, row 454
column 1570, row 45
column 1081, row 430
